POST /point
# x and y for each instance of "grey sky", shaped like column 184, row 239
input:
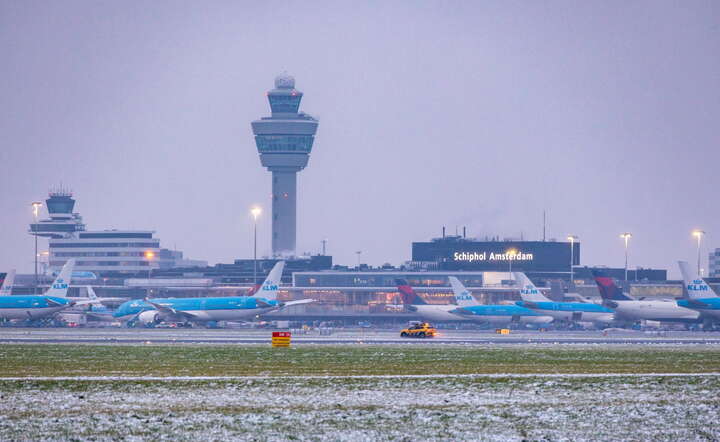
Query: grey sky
column 441, row 113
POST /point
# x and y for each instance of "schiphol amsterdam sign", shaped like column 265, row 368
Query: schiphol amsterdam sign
column 494, row 257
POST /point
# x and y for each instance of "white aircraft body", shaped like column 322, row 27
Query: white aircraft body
column 533, row 299
column 433, row 312
column 492, row 314
column 628, row 308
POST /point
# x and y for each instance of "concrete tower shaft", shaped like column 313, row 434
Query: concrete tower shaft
column 284, row 141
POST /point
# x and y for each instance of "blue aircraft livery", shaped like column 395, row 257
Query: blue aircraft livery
column 469, row 308
column 226, row 308
column 40, row 306
column 533, row 299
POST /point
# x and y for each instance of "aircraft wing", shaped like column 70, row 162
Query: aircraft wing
column 530, row 304
column 298, row 302
column 262, row 304
column 87, row 302
column 461, row 312
column 170, row 311
column 52, row 303
column 162, row 308
column 694, row 303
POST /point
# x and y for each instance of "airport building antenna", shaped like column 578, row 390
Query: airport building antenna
column 284, row 141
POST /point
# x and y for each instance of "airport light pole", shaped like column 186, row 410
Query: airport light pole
column 255, row 211
column 511, row 255
column 572, row 239
column 626, row 236
column 697, row 233
column 359, row 252
column 36, row 210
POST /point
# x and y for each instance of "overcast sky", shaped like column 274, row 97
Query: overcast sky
column 478, row 114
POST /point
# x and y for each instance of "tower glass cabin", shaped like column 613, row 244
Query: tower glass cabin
column 284, row 141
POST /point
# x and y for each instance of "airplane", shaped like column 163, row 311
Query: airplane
column 701, row 297
column 226, row 308
column 533, row 299
column 628, row 308
column 92, row 298
column 40, row 306
column 97, row 311
column 432, row 312
column 7, row 285
column 493, row 314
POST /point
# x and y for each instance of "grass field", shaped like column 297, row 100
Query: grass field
column 151, row 360
column 260, row 402
column 597, row 408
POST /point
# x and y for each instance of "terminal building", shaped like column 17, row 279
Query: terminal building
column 714, row 264
column 105, row 253
column 538, row 259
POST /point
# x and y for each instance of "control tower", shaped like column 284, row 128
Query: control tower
column 63, row 222
column 284, row 141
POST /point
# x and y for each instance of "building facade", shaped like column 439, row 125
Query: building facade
column 714, row 264
column 106, row 253
column 532, row 257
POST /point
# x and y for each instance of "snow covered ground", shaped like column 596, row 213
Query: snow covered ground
column 641, row 407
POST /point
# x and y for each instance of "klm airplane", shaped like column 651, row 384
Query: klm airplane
column 39, row 306
column 466, row 309
column 701, row 297
column 226, row 308
column 533, row 299
column 492, row 314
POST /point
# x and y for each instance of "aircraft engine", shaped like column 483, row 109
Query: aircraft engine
column 149, row 317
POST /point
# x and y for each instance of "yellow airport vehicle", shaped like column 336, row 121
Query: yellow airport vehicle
column 420, row 330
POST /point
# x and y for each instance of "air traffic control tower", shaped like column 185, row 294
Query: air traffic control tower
column 284, row 141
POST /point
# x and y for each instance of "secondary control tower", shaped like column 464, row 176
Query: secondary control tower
column 284, row 141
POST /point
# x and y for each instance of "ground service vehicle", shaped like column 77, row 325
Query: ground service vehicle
column 421, row 330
